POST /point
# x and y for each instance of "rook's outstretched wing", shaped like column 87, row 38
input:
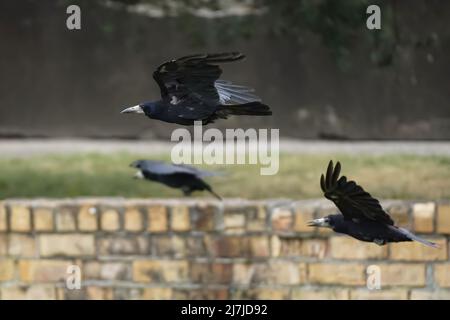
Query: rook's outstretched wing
column 162, row 168
column 192, row 77
column 350, row 198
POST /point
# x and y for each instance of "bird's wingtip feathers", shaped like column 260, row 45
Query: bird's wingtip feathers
column 322, row 183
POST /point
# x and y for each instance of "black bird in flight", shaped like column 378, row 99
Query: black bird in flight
column 192, row 91
column 362, row 216
column 179, row 176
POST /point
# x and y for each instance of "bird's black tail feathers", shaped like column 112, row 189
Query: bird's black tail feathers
column 248, row 109
column 214, row 194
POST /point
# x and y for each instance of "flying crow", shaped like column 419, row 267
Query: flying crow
column 362, row 216
column 192, row 91
column 178, row 176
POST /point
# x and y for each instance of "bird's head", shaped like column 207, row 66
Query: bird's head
column 142, row 108
column 139, row 174
column 136, row 164
column 325, row 222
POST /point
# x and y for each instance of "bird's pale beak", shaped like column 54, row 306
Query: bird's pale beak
column 139, row 175
column 322, row 222
column 135, row 109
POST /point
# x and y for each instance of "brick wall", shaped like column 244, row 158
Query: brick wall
column 172, row 249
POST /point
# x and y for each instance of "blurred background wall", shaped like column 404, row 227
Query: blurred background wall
column 314, row 62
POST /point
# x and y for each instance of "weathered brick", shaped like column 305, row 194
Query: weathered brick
column 121, row 293
column 156, row 293
column 91, row 270
column 200, row 272
column 277, row 272
column 43, row 270
column 115, row 271
column 402, row 274
column 256, row 218
column 86, row 293
column 133, row 219
column 196, row 246
column 324, row 231
column 6, row 269
column 442, row 275
column 443, row 219
column 94, row 270
column 160, row 270
column 297, row 247
column 180, row 294
column 275, row 246
column 423, row 217
column 87, row 218
column 430, row 295
column 415, row 251
column 3, row 220
column 180, row 218
column 342, row 247
column 301, row 217
column 65, row 219
column 211, row 273
column 221, row 273
column 272, row 272
column 99, row 293
column 36, row 292
column 259, row 246
column 261, row 294
column 3, row 244
column 121, row 245
column 20, row 218
column 316, row 248
column 208, row 294
column 234, row 222
column 157, row 219
column 288, row 247
column 227, row 246
column 400, row 214
column 43, row 219
column 22, row 245
column 282, row 219
column 319, row 294
column 332, row 273
column 391, row 294
column 204, row 217
column 169, row 246
column 243, row 273
column 67, row 294
column 110, row 220
column 66, row 245
column 303, row 271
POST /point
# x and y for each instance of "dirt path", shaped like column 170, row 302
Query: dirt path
column 28, row 147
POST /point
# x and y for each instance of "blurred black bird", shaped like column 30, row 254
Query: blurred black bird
column 191, row 91
column 179, row 176
column 362, row 216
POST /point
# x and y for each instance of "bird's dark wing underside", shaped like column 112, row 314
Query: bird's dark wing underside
column 199, row 172
column 350, row 198
column 192, row 77
column 193, row 108
column 162, row 168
